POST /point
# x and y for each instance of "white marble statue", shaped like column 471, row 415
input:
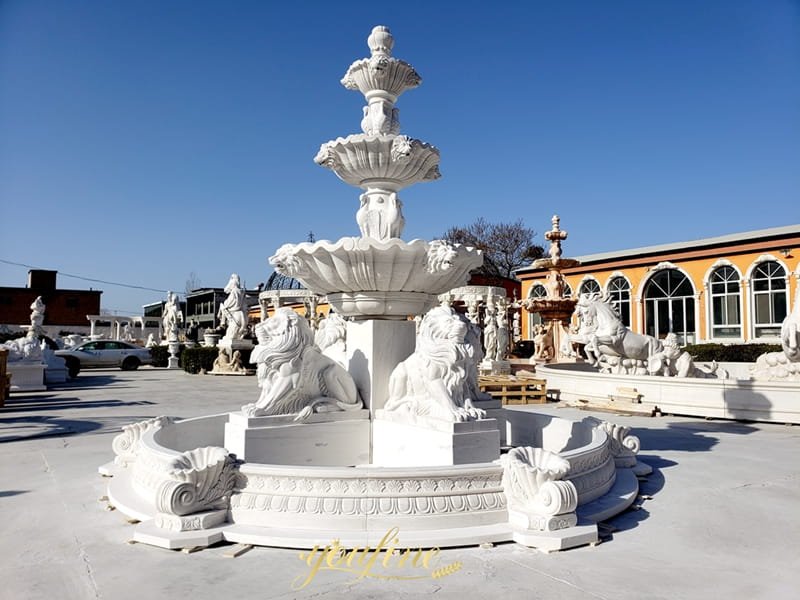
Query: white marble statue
column 501, row 349
column 37, row 315
column 516, row 325
column 24, row 349
column 294, row 376
column 233, row 311
column 127, row 332
column 784, row 365
column 610, row 337
column 671, row 361
column 613, row 348
column 228, row 361
column 490, row 333
column 439, row 380
column 151, row 341
column 172, row 317
column 380, row 215
column 331, row 336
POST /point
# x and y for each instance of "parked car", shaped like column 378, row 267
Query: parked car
column 105, row 354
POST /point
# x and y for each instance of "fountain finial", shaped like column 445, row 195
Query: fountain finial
column 380, row 41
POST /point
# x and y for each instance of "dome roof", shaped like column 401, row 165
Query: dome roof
column 277, row 281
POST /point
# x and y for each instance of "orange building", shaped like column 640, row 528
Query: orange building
column 730, row 289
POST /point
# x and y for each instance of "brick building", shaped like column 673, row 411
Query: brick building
column 66, row 309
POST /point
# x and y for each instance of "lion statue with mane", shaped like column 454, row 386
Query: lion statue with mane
column 294, row 376
column 440, row 379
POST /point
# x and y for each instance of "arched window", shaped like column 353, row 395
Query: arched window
column 589, row 286
column 538, row 291
column 768, row 283
column 726, row 313
column 669, row 306
column 567, row 290
column 620, row 291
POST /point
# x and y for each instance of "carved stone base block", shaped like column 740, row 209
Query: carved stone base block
column 55, row 374
column 495, row 367
column 528, row 520
column 561, row 539
column 324, row 439
column 148, row 532
column 194, row 522
column 26, row 377
column 374, row 349
column 396, row 444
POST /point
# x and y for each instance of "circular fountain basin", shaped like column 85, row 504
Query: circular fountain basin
column 304, row 505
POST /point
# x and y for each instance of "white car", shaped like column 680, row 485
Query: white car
column 105, row 353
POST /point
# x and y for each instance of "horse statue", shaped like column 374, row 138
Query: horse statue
column 790, row 330
column 606, row 336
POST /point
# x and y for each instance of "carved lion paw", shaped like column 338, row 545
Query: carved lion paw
column 250, row 410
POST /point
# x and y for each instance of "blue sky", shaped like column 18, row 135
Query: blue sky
column 143, row 141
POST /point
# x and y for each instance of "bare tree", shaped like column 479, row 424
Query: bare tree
column 192, row 283
column 506, row 246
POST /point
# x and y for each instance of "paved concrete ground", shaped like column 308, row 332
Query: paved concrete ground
column 723, row 521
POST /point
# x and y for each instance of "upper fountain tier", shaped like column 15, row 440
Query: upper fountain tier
column 380, row 160
column 381, row 76
column 377, row 275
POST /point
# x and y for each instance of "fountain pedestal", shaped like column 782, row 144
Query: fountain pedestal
column 335, row 439
column 374, row 348
column 399, row 443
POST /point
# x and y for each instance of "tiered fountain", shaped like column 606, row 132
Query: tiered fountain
column 399, row 437
column 555, row 309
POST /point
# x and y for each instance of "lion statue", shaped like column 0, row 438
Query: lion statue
column 331, row 336
column 294, row 376
column 440, row 379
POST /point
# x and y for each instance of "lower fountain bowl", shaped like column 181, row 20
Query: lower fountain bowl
column 383, row 305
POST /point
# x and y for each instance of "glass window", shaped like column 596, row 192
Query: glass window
column 620, row 292
column 726, row 317
column 538, row 291
column 768, row 284
column 669, row 306
column 590, row 286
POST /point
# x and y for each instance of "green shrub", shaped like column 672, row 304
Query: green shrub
column 193, row 360
column 160, row 355
column 730, row 352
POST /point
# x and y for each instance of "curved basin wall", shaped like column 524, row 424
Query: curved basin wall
column 741, row 399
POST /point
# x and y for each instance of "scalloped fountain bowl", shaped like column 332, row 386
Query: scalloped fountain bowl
column 391, row 162
column 365, row 277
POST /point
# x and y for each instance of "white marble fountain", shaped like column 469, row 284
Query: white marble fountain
column 399, row 436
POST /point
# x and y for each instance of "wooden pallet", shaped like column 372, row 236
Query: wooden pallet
column 514, row 390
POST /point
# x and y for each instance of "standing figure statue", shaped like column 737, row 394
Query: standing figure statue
column 172, row 317
column 37, row 314
column 501, row 350
column 490, row 333
column 233, row 311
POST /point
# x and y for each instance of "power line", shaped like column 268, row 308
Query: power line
column 92, row 279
